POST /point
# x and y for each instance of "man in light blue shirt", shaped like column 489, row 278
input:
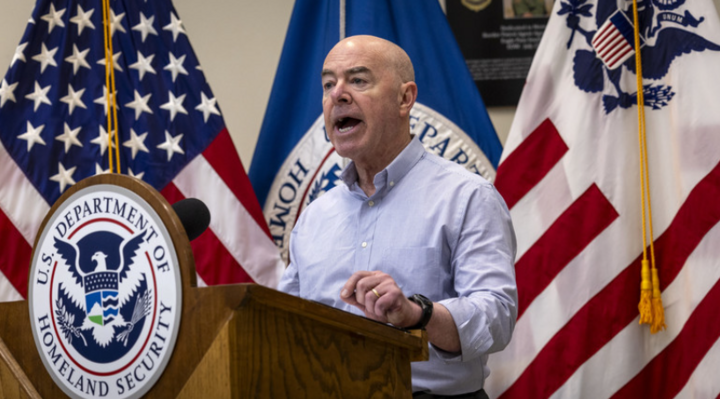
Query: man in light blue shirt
column 405, row 222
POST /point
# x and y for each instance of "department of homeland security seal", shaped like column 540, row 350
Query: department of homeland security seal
column 105, row 294
column 313, row 167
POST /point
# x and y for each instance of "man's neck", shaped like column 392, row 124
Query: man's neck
column 366, row 171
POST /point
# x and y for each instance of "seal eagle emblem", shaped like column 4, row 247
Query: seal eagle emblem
column 668, row 29
column 107, row 288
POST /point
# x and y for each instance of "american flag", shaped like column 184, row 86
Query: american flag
column 570, row 176
column 53, row 115
column 614, row 42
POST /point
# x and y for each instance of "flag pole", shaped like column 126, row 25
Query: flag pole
column 342, row 20
column 112, row 124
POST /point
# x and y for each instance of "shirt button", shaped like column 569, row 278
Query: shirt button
column 364, row 244
column 371, row 203
column 392, row 183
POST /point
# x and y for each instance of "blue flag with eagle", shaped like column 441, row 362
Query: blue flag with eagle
column 294, row 161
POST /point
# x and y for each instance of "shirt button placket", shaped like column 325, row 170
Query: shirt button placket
column 368, row 223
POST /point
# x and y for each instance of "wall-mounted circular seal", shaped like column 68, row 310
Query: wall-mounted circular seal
column 105, row 290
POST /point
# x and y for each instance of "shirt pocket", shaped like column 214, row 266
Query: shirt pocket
column 323, row 276
column 416, row 270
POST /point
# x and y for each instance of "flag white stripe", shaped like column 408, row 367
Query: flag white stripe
column 609, row 43
column 8, row 293
column 231, row 222
column 620, row 57
column 703, row 383
column 602, row 33
column 200, row 282
column 19, row 199
column 596, row 41
column 551, row 195
column 594, row 379
column 614, row 40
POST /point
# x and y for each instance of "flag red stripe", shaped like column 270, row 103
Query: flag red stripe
column 613, row 308
column 613, row 40
column 612, row 36
column 530, row 162
column 602, row 34
column 213, row 262
column 562, row 242
column 15, row 255
column 223, row 157
column 686, row 351
column 618, row 52
column 614, row 60
column 616, row 41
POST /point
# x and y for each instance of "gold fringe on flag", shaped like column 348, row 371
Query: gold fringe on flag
column 658, row 322
column 645, row 306
column 112, row 128
column 650, row 306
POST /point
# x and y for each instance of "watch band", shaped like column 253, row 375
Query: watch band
column 427, row 309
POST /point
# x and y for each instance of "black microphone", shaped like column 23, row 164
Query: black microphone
column 194, row 216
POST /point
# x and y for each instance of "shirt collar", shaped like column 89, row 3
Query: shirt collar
column 393, row 173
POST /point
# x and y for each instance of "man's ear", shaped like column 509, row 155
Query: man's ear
column 407, row 96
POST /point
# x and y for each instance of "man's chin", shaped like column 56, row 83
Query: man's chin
column 346, row 147
column 345, row 151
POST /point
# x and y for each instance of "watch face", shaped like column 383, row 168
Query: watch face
column 421, row 300
column 427, row 308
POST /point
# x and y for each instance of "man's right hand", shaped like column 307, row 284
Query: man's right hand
column 379, row 297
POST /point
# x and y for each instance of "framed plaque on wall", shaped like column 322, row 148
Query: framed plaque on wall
column 498, row 39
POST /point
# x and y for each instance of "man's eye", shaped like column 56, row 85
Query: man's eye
column 327, row 85
column 357, row 81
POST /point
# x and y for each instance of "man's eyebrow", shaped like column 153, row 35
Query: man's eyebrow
column 351, row 71
column 357, row 69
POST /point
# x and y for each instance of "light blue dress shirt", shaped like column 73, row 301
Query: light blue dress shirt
column 438, row 230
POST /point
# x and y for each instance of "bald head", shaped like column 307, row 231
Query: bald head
column 384, row 51
column 368, row 94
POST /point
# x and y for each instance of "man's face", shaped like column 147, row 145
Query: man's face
column 361, row 100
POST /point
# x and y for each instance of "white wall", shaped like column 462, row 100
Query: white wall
column 238, row 44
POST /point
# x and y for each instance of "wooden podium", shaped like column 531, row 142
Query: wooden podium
column 247, row 341
column 244, row 341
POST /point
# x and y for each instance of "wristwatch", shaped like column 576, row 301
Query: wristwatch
column 427, row 309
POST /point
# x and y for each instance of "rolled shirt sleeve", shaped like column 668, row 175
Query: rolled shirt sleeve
column 485, row 309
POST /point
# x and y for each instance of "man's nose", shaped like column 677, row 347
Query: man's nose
column 340, row 94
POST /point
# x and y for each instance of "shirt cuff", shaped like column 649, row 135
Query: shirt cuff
column 472, row 342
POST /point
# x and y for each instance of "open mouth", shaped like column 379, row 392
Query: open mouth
column 344, row 125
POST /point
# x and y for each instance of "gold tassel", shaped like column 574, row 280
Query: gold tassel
column 650, row 306
column 646, row 292
column 658, row 312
